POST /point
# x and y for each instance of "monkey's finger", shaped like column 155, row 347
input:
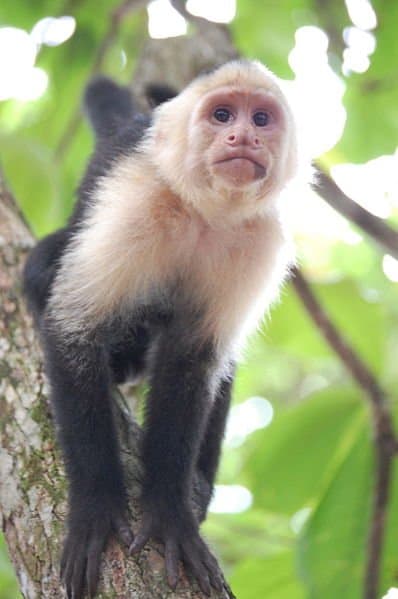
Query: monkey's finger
column 140, row 541
column 96, row 547
column 74, row 575
column 193, row 559
column 216, row 580
column 67, row 576
column 202, row 578
column 78, row 579
column 123, row 531
column 73, row 543
column 65, row 558
column 171, row 562
column 63, row 565
column 213, row 570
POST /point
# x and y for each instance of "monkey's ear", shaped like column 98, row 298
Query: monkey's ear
column 157, row 93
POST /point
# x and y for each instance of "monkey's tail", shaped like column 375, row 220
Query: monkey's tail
column 108, row 106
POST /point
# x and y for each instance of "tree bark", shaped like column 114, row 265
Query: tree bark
column 32, row 481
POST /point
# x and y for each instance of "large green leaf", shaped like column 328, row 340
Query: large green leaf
column 291, row 460
column 332, row 545
column 273, row 578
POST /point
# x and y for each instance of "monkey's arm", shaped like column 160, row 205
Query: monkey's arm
column 40, row 270
column 80, row 389
column 178, row 408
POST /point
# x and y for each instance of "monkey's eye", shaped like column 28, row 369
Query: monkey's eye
column 222, row 115
column 261, row 119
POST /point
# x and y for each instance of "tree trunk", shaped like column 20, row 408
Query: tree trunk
column 32, row 482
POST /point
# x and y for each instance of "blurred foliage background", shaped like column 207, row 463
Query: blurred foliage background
column 291, row 512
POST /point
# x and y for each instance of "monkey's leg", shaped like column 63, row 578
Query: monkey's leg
column 80, row 385
column 179, row 403
column 211, row 445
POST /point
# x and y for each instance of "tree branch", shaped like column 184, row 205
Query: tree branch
column 385, row 440
column 375, row 227
column 32, row 482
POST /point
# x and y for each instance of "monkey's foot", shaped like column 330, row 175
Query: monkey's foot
column 86, row 540
column 182, row 541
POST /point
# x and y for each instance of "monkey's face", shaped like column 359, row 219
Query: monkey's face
column 238, row 134
column 227, row 144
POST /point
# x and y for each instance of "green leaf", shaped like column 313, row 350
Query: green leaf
column 274, row 577
column 297, row 453
column 333, row 542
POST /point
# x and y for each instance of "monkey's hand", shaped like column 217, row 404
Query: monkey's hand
column 89, row 529
column 178, row 531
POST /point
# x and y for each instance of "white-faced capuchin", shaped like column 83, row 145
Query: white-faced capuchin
column 174, row 251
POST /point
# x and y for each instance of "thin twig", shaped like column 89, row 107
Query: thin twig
column 209, row 29
column 116, row 19
column 377, row 228
column 385, row 440
column 180, row 6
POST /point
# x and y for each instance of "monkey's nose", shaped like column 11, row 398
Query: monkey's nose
column 243, row 137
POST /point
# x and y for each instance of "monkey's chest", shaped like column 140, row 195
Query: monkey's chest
column 228, row 274
column 211, row 260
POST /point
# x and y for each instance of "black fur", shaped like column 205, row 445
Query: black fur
column 158, row 93
column 186, row 408
column 108, row 106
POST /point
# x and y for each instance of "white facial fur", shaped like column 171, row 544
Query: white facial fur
column 182, row 145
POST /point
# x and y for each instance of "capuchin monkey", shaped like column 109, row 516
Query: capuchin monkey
column 174, row 251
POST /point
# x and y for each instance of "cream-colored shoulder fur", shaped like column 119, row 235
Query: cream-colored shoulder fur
column 138, row 237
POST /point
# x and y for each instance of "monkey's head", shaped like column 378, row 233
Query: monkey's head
column 227, row 143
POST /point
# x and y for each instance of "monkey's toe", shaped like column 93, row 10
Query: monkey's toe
column 181, row 543
column 86, row 541
column 200, row 563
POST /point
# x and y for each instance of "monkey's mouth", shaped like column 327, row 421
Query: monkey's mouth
column 241, row 168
